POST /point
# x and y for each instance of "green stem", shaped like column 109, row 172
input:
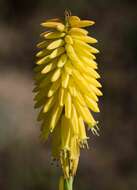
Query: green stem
column 68, row 183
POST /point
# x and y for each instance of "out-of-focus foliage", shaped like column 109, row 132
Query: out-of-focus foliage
column 111, row 162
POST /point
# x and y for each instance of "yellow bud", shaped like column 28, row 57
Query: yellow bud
column 69, row 40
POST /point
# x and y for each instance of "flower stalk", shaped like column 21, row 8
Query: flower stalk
column 68, row 183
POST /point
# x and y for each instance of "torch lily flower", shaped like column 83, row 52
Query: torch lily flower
column 67, row 90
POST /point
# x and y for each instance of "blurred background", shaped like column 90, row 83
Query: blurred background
column 111, row 162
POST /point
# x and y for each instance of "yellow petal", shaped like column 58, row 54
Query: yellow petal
column 72, row 88
column 68, row 105
column 54, row 35
column 80, row 98
column 61, row 96
column 54, row 87
column 57, row 25
column 51, row 66
column 55, row 44
column 84, row 113
column 91, row 80
column 50, row 102
column 56, row 75
column 75, row 153
column 93, row 73
column 84, row 23
column 61, row 27
column 55, row 116
column 44, row 60
column 86, row 39
column 73, row 20
column 57, row 52
column 62, row 60
column 76, row 160
column 82, row 131
column 65, row 133
column 68, row 67
column 80, row 81
column 71, row 53
column 78, row 31
column 42, row 44
column 68, row 39
column 90, row 62
column 96, row 90
column 65, row 79
column 42, row 53
column 82, row 52
column 91, row 104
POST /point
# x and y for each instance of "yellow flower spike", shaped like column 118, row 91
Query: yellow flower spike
column 66, row 90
